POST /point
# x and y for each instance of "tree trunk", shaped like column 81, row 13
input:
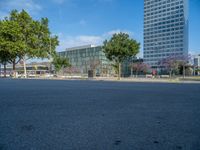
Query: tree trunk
column 170, row 74
column 131, row 71
column 94, row 73
column 24, row 63
column 63, row 71
column 4, row 65
column 119, row 71
column 183, row 71
column 14, row 69
column 136, row 73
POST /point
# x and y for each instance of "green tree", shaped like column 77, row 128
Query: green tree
column 36, row 36
column 119, row 48
column 60, row 63
column 10, row 43
column 34, row 40
column 4, row 60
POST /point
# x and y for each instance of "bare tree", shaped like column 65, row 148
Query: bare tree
column 93, row 64
column 72, row 70
column 140, row 67
column 173, row 63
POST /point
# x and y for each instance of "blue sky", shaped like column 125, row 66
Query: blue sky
column 80, row 22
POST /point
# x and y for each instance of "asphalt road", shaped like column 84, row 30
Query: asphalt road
column 89, row 115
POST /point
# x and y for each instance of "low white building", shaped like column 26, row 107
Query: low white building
column 197, row 61
column 197, row 64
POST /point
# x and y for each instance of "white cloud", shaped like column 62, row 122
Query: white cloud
column 110, row 33
column 73, row 41
column 89, row 39
column 29, row 5
column 193, row 53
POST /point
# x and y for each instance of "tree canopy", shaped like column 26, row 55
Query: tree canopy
column 22, row 37
column 119, row 48
column 140, row 67
column 60, row 62
column 173, row 63
column 36, row 35
column 10, row 40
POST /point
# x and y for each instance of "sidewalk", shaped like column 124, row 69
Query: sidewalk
column 114, row 79
column 151, row 80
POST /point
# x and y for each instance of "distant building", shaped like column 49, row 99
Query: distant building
column 84, row 57
column 165, row 30
column 88, row 57
column 126, row 65
column 197, row 65
column 197, row 61
column 33, row 68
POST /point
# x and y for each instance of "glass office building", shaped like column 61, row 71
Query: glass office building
column 84, row 57
column 165, row 30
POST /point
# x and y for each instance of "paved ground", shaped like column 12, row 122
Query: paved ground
column 96, row 115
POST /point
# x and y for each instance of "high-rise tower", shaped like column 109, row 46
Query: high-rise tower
column 165, row 30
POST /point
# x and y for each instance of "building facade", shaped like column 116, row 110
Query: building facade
column 196, row 64
column 89, row 57
column 86, row 58
column 165, row 30
column 33, row 69
column 197, row 61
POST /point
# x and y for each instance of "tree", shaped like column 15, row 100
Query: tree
column 93, row 64
column 173, row 63
column 36, row 36
column 34, row 40
column 10, row 43
column 72, row 70
column 170, row 64
column 3, row 60
column 120, row 47
column 183, row 63
column 139, row 67
column 60, row 62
